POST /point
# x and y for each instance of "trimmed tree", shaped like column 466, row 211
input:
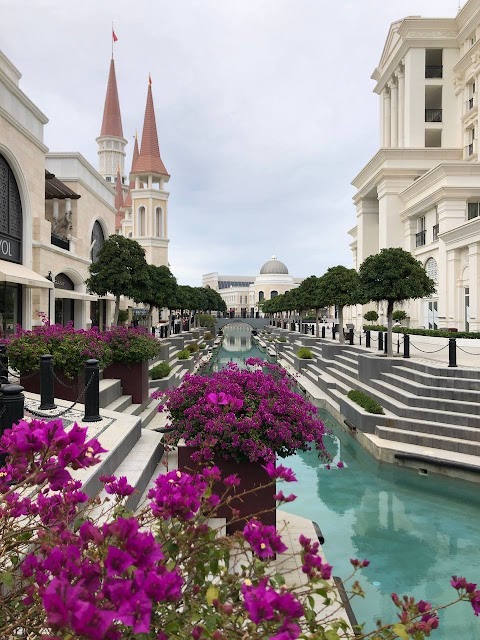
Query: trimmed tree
column 121, row 269
column 161, row 289
column 371, row 316
column 312, row 296
column 339, row 286
column 394, row 275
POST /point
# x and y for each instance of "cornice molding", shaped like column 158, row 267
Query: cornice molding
column 38, row 143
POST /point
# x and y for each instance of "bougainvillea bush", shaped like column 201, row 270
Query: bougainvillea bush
column 243, row 414
column 72, row 568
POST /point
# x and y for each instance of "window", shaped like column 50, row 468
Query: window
column 97, row 240
column 433, row 63
column 420, row 237
column 432, row 269
column 473, row 210
column 473, row 39
column 261, row 296
column 158, row 223
column 433, row 138
column 141, row 221
column 273, row 294
column 471, row 140
column 108, row 179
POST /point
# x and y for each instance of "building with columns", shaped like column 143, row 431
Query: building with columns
column 421, row 190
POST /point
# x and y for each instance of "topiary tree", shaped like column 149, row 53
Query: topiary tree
column 161, row 289
column 371, row 316
column 394, row 275
column 399, row 315
column 312, row 295
column 121, row 269
column 340, row 286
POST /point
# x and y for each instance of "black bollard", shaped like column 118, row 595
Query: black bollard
column 385, row 342
column 333, row 332
column 398, row 343
column 380, row 340
column 452, row 352
column 367, row 338
column 3, row 364
column 11, row 409
column 46, row 383
column 350, row 336
column 312, row 329
column 323, row 331
column 406, row 345
column 92, row 392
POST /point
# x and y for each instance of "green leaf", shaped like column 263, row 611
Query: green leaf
column 331, row 635
column 400, row 630
column 6, row 578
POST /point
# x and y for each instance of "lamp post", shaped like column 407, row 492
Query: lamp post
column 49, row 277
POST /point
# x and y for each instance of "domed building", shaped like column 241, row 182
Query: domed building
column 273, row 280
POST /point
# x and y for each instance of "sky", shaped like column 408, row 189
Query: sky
column 265, row 111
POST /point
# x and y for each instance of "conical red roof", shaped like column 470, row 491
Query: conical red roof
column 112, row 119
column 149, row 160
column 136, row 153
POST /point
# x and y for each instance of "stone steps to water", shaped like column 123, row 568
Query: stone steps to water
column 428, row 378
column 426, row 389
column 121, row 403
column 448, row 443
column 347, row 360
column 436, row 428
column 440, row 371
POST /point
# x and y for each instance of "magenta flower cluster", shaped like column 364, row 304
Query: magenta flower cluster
column 245, row 414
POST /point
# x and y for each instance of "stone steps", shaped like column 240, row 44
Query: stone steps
column 429, row 440
column 427, row 378
column 426, row 389
column 121, row 403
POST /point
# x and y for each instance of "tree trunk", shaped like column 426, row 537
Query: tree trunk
column 389, row 328
column 341, row 335
column 117, row 309
column 300, row 322
column 317, row 323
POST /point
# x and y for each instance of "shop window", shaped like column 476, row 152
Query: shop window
column 11, row 215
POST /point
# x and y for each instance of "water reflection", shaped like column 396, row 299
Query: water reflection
column 237, row 346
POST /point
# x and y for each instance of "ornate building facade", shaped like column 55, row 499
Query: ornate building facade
column 421, row 190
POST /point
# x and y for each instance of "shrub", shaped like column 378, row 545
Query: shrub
column 439, row 333
column 365, row 401
column 122, row 316
column 281, row 339
column 206, row 320
column 202, row 345
column 184, row 354
column 131, row 345
column 305, row 353
column 208, row 336
column 192, row 347
column 371, row 316
column 399, row 315
column 374, row 327
column 160, row 370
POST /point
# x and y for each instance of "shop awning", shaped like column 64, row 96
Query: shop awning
column 75, row 295
column 17, row 273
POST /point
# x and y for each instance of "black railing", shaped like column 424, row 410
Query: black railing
column 469, row 104
column 435, row 232
column 62, row 243
column 420, row 239
column 470, row 149
column 434, row 71
column 433, row 115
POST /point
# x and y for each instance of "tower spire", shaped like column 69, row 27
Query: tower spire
column 128, row 199
column 149, row 160
column 112, row 118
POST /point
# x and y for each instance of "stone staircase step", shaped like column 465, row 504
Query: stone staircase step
column 110, row 390
column 344, row 368
column 437, row 428
column 149, row 413
column 133, row 409
column 345, row 359
column 425, row 388
column 121, row 403
column 429, row 440
column 440, row 371
column 449, row 382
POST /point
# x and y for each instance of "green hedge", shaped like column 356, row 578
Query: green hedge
column 435, row 333
column 304, row 353
column 183, row 355
column 160, row 370
column 366, row 402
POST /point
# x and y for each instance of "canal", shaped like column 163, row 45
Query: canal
column 417, row 531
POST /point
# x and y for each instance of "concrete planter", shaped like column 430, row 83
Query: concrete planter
column 361, row 419
column 300, row 363
column 134, row 379
column 162, row 384
column 64, row 388
column 252, row 476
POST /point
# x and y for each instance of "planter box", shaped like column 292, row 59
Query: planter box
column 134, row 379
column 252, row 475
column 64, row 388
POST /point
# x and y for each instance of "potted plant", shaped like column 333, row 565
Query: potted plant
column 131, row 349
column 241, row 420
column 68, row 346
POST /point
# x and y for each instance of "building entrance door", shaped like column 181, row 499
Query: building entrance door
column 431, row 314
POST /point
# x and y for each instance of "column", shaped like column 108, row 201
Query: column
column 401, row 106
column 394, row 111
column 453, row 273
column 387, row 117
column 474, row 275
column 442, row 287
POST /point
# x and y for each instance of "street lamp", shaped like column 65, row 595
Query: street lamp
column 49, row 277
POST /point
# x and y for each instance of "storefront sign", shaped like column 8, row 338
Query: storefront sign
column 10, row 249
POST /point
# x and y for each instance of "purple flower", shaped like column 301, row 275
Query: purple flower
column 280, row 497
column 118, row 487
column 340, row 465
column 359, row 564
column 263, row 539
column 280, row 472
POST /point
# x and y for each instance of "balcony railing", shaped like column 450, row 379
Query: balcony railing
column 435, row 232
column 434, row 71
column 470, row 149
column 420, row 239
column 433, row 115
column 61, row 243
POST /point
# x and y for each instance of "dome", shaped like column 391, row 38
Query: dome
column 273, row 266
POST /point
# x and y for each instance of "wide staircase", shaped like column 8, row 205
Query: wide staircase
column 429, row 406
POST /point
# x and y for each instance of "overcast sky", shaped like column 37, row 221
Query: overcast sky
column 264, row 108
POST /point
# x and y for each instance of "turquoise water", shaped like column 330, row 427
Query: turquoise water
column 417, row 531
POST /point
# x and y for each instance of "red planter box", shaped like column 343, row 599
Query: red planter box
column 134, row 379
column 251, row 475
column 64, row 388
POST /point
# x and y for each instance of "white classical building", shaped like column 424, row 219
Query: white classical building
column 421, row 190
column 243, row 293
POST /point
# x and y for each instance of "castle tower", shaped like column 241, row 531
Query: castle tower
column 119, row 201
column 123, row 221
column 111, row 143
column 148, row 197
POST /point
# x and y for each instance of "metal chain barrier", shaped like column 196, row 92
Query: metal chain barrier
column 436, row 350
column 469, row 352
column 41, row 414
column 64, row 384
